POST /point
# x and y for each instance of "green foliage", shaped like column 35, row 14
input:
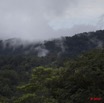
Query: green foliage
column 84, row 78
column 3, row 99
column 38, row 89
column 27, row 98
column 52, row 81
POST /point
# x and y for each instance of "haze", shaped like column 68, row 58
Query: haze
column 47, row 19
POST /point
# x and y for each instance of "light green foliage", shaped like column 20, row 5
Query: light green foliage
column 38, row 89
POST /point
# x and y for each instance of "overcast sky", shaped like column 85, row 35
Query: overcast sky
column 45, row 19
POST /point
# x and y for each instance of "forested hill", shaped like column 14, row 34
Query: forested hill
column 65, row 46
column 45, row 73
column 81, row 80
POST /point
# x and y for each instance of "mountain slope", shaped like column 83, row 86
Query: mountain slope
column 77, row 82
column 65, row 46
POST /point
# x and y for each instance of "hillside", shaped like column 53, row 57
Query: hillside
column 65, row 46
column 29, row 80
column 66, row 70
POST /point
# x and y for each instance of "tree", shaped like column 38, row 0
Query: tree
column 38, row 89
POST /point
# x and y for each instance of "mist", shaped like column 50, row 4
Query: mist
column 48, row 19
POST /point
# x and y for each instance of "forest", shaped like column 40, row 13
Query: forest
column 74, row 76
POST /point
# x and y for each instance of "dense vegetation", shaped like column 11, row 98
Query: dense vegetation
column 27, row 79
column 65, row 46
column 71, row 72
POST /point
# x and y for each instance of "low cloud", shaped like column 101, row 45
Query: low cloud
column 46, row 19
column 41, row 51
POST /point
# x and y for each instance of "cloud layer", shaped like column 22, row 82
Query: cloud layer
column 45, row 19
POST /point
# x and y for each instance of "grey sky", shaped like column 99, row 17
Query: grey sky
column 45, row 19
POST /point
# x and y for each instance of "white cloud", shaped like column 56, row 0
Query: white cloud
column 41, row 19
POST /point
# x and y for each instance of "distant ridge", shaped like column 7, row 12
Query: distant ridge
column 65, row 46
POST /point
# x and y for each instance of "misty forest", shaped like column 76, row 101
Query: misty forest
column 64, row 70
column 51, row 51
